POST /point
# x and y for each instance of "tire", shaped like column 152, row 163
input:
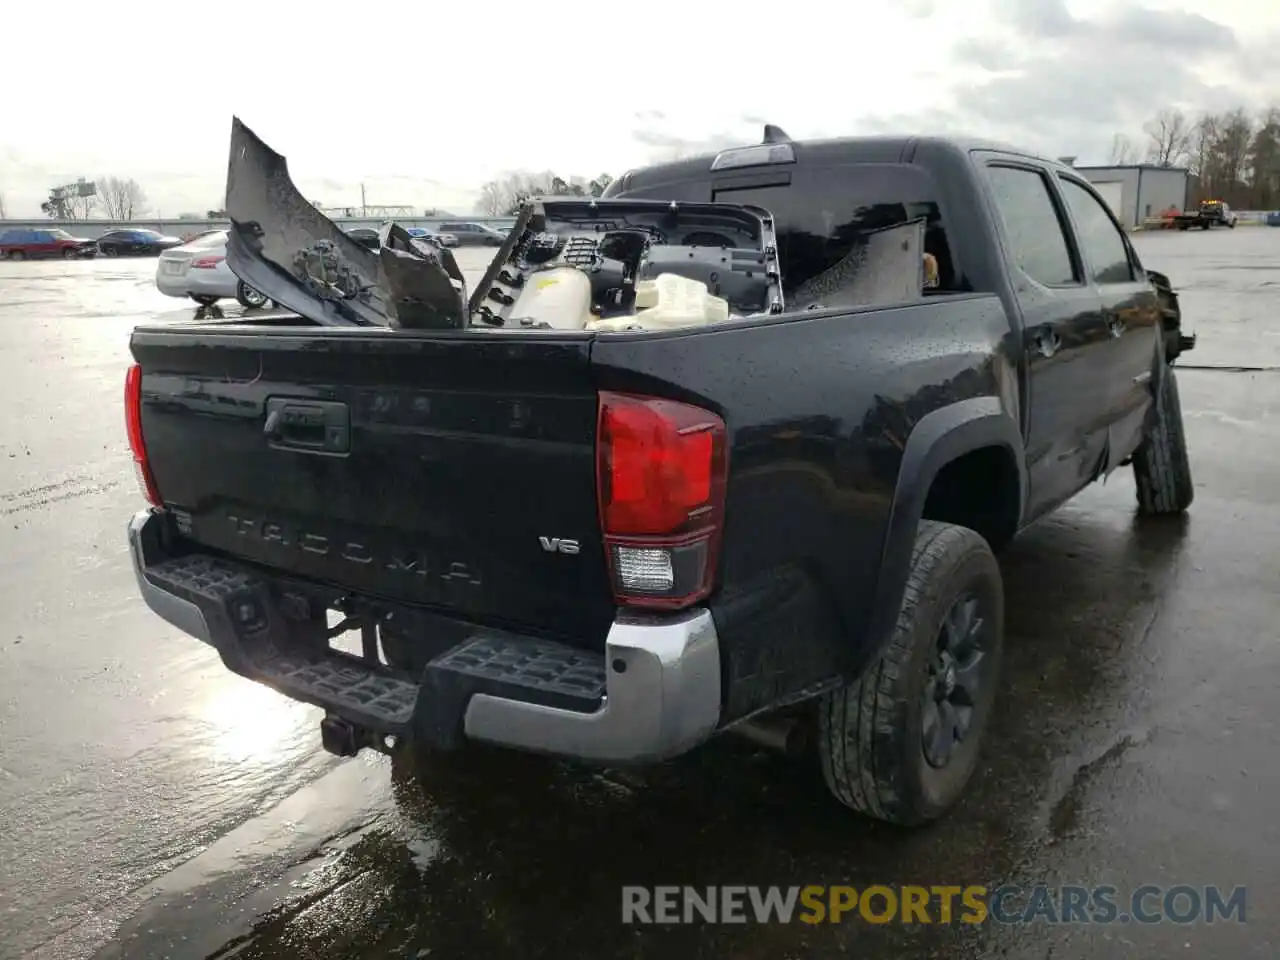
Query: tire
column 1161, row 466
column 110, row 252
column 248, row 297
column 871, row 731
column 17, row 255
column 205, row 301
column 70, row 254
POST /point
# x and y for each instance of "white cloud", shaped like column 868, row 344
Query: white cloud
column 147, row 90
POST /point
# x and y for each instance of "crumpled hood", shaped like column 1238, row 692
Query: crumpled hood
column 286, row 249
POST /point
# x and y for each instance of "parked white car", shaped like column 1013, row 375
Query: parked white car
column 444, row 239
column 198, row 269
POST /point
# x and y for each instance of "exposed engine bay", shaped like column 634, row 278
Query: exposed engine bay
column 624, row 264
column 568, row 264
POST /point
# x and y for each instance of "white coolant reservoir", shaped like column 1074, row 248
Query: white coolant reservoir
column 560, row 297
column 670, row 301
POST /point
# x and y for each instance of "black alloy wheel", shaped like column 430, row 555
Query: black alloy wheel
column 953, row 681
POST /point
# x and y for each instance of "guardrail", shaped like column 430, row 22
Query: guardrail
column 174, row 227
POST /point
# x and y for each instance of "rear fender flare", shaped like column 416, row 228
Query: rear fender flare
column 937, row 439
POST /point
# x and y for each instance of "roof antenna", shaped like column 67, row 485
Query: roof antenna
column 774, row 134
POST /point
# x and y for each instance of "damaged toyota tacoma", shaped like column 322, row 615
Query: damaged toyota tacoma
column 729, row 449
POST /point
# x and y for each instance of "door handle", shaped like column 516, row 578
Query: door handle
column 1047, row 342
column 308, row 426
column 1115, row 325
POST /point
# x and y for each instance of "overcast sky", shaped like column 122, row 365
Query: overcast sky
column 147, row 90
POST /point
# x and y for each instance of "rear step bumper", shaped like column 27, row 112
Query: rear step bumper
column 653, row 693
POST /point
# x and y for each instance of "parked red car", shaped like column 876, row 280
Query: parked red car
column 41, row 244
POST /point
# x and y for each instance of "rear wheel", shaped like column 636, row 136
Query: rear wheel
column 901, row 742
column 1161, row 466
column 248, row 297
column 17, row 255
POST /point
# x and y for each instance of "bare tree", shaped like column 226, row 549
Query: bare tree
column 121, row 199
column 1122, row 151
column 1264, row 161
column 1234, row 139
column 4, row 211
column 1169, row 138
column 80, row 208
column 1203, row 136
column 493, row 200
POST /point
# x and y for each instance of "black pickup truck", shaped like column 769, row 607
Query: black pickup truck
column 611, row 542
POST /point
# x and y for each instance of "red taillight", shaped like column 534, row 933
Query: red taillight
column 133, row 425
column 660, row 477
column 206, row 263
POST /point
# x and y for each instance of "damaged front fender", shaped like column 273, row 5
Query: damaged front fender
column 285, row 248
column 1176, row 341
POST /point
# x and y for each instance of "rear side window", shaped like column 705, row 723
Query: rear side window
column 821, row 214
column 1031, row 221
column 1100, row 239
column 11, row 236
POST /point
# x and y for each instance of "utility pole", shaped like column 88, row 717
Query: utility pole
column 364, row 209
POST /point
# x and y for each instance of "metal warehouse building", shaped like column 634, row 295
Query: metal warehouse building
column 1140, row 191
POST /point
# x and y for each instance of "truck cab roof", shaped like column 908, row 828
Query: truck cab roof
column 825, row 194
column 860, row 149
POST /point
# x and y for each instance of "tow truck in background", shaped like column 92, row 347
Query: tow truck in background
column 1211, row 213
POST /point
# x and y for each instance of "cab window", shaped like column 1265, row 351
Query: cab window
column 1101, row 241
column 824, row 214
column 1033, row 226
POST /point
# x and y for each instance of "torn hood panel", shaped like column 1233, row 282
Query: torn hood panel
column 286, row 249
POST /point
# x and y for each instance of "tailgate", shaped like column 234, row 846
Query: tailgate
column 447, row 470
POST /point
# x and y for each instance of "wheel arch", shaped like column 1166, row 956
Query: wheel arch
column 950, row 445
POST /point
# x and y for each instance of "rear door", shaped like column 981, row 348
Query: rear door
column 44, row 244
column 1065, row 340
column 1130, row 312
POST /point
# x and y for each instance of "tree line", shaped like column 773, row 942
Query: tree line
column 1234, row 156
column 503, row 197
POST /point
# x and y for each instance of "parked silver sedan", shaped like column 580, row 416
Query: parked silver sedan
column 198, row 270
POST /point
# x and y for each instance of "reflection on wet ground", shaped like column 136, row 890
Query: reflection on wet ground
column 179, row 812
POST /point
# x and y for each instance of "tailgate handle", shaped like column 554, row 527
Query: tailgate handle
column 309, row 426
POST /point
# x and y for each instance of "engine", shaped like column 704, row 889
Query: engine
column 631, row 264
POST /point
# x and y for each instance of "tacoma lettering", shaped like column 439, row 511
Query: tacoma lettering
column 408, row 562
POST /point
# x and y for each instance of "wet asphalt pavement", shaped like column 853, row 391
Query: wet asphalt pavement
column 155, row 806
